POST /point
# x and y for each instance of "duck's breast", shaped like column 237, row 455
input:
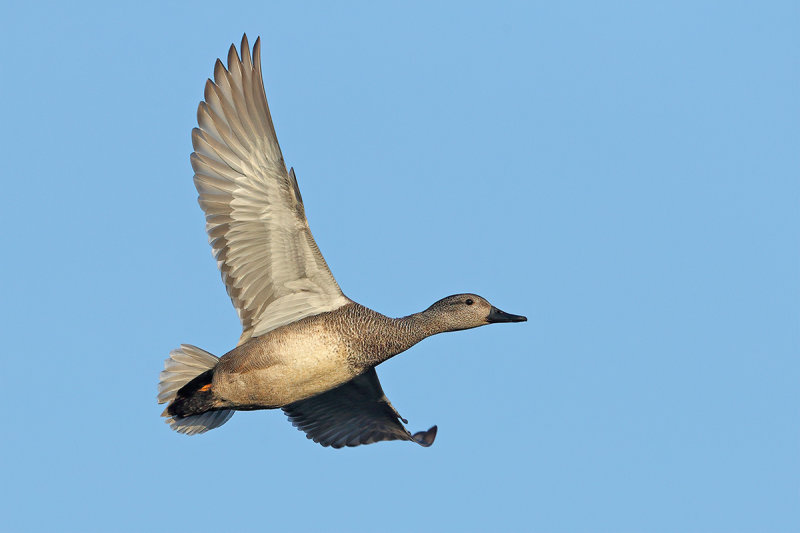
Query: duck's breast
column 286, row 365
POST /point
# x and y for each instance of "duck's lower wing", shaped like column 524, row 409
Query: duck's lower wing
column 352, row 414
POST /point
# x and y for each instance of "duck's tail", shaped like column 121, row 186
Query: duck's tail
column 185, row 385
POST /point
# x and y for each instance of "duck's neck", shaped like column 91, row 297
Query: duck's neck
column 391, row 336
column 418, row 326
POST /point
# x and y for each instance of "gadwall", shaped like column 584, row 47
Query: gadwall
column 305, row 347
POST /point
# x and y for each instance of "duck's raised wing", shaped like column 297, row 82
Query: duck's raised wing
column 355, row 413
column 256, row 223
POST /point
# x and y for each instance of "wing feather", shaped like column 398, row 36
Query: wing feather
column 255, row 219
column 352, row 414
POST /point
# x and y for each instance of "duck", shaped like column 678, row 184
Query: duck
column 305, row 347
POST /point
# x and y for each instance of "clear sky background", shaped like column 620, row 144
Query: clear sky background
column 625, row 174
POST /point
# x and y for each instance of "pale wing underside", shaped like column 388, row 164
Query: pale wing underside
column 271, row 266
column 355, row 413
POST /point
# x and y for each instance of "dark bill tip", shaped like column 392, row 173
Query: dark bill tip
column 496, row 315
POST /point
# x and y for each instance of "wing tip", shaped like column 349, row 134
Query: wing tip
column 426, row 438
column 257, row 55
column 233, row 57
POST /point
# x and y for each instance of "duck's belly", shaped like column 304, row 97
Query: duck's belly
column 287, row 369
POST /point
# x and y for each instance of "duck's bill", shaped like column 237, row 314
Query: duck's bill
column 496, row 315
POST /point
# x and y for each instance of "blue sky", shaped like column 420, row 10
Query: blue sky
column 626, row 175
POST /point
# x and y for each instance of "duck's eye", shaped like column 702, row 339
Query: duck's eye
column 469, row 301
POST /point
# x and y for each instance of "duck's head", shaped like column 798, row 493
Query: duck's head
column 465, row 311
